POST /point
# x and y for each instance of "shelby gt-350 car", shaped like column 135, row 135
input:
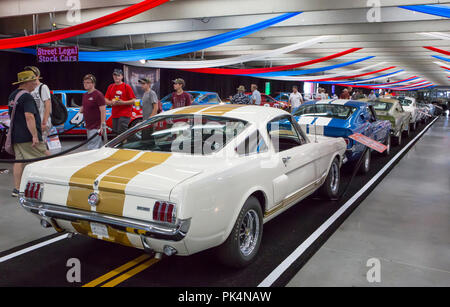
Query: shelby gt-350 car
column 390, row 109
column 409, row 104
column 187, row 180
column 342, row 118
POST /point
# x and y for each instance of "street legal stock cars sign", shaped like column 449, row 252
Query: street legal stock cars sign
column 57, row 54
column 371, row 143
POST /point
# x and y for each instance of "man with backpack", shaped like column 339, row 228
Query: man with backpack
column 25, row 127
column 42, row 97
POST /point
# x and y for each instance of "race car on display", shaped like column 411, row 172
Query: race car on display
column 409, row 104
column 197, row 97
column 268, row 101
column 187, row 180
column 342, row 118
column 390, row 109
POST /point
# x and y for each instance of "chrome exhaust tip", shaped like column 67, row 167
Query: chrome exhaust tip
column 45, row 224
column 169, row 250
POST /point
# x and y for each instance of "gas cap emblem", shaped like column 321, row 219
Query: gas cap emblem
column 93, row 199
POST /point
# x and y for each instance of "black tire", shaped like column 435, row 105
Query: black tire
column 365, row 166
column 407, row 132
column 135, row 122
column 413, row 126
column 330, row 188
column 230, row 253
column 387, row 152
column 398, row 139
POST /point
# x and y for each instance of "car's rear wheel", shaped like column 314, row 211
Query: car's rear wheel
column 330, row 188
column 414, row 126
column 387, row 152
column 365, row 166
column 242, row 245
column 408, row 131
column 398, row 139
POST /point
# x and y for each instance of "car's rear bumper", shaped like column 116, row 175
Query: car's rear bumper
column 50, row 213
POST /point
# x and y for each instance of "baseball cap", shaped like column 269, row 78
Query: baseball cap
column 118, row 71
column 144, row 80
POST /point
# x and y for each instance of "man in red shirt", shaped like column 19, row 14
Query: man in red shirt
column 180, row 98
column 94, row 112
column 121, row 98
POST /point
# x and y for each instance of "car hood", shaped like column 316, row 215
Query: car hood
column 128, row 172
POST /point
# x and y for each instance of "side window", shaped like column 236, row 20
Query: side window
column 373, row 116
column 253, row 144
column 205, row 99
column 213, row 99
column 283, row 134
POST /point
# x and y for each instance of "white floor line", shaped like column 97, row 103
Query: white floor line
column 32, row 248
column 280, row 269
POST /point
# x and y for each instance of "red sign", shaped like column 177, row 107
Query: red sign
column 371, row 143
column 57, row 54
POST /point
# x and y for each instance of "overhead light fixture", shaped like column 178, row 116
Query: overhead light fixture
column 143, row 61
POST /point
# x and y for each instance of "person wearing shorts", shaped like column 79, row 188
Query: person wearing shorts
column 26, row 134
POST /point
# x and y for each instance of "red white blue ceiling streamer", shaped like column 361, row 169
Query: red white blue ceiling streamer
column 60, row 34
column 437, row 10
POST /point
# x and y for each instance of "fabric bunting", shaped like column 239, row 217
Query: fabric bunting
column 437, row 10
column 316, row 77
column 224, row 71
column 437, row 50
column 229, row 61
column 360, row 75
column 182, row 48
column 42, row 38
column 441, row 58
column 368, row 80
column 309, row 71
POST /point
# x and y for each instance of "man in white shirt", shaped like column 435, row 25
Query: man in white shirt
column 42, row 97
column 295, row 99
column 256, row 95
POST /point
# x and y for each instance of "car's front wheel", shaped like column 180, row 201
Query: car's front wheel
column 330, row 188
column 365, row 167
column 242, row 245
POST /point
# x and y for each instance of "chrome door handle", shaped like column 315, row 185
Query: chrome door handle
column 286, row 160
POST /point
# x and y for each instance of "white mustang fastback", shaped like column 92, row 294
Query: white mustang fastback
column 187, row 180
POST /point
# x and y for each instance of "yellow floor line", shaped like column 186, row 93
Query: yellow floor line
column 117, row 271
column 131, row 273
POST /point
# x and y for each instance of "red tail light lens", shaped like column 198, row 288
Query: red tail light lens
column 164, row 212
column 33, row 190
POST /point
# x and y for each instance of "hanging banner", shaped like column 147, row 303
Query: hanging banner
column 132, row 75
column 57, row 54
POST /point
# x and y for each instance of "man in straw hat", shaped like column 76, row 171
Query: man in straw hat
column 240, row 97
column 26, row 133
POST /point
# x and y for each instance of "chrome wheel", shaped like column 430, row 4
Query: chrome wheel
column 249, row 232
column 334, row 182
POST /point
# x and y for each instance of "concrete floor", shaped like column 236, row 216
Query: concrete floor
column 404, row 223
column 18, row 227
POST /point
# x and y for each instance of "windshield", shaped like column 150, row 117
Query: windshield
column 326, row 110
column 405, row 101
column 382, row 106
column 181, row 133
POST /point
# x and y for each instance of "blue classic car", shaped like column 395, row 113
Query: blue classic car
column 198, row 98
column 342, row 118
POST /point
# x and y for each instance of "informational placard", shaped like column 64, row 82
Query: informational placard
column 371, row 143
column 57, row 54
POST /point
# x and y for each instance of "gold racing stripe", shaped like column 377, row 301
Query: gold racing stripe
column 112, row 186
column 221, row 109
column 191, row 110
column 81, row 183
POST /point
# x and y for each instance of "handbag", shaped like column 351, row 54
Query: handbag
column 8, row 144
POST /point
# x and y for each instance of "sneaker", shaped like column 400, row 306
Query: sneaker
column 15, row 193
